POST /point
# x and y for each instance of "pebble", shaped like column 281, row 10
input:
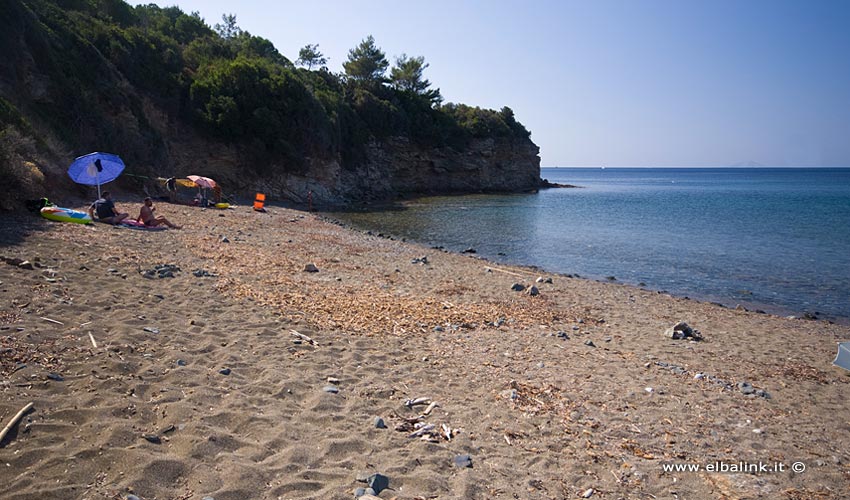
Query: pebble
column 589, row 343
column 133, row 497
column 746, row 388
column 533, row 291
column 331, row 389
column 378, row 482
column 333, row 380
column 563, row 335
column 588, row 493
column 55, row 376
column 470, row 250
column 181, row 362
column 517, row 287
column 224, row 371
column 463, row 461
column 151, row 329
column 208, row 498
column 311, row 268
column 379, row 423
column 152, row 438
column 438, row 329
column 699, row 376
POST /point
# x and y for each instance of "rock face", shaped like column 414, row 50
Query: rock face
column 487, row 165
column 397, row 167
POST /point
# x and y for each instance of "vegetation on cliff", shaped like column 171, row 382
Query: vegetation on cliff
column 84, row 75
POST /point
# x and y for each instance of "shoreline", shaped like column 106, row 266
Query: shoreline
column 194, row 385
column 727, row 302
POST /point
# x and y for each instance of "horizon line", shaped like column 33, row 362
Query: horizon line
column 697, row 166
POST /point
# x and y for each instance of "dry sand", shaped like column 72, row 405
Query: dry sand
column 541, row 416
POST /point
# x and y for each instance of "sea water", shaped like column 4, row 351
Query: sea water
column 776, row 239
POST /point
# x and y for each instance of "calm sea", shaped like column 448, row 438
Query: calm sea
column 766, row 238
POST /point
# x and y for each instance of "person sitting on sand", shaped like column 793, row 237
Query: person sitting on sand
column 105, row 209
column 147, row 217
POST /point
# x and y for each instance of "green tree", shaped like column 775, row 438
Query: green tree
column 310, row 56
column 366, row 62
column 229, row 29
column 407, row 76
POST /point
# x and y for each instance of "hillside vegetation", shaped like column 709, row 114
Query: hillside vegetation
column 100, row 75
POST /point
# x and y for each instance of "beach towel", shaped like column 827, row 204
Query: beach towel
column 134, row 224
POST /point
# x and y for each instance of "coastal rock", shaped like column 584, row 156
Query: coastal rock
column 682, row 330
column 517, row 287
column 533, row 291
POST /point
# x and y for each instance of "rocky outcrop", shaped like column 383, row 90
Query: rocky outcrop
column 397, row 167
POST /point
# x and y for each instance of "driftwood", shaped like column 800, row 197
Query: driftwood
column 14, row 421
column 92, row 340
column 304, row 338
column 430, row 408
column 52, row 321
column 505, row 271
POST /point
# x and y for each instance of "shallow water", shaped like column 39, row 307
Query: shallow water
column 776, row 239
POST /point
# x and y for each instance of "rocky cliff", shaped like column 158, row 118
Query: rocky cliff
column 173, row 98
column 397, row 168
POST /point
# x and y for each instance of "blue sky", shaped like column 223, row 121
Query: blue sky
column 614, row 83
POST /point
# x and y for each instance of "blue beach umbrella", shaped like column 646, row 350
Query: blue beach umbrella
column 95, row 169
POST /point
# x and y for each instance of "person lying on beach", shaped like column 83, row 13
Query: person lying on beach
column 147, row 217
column 105, row 210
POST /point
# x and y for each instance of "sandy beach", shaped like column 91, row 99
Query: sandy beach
column 207, row 362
